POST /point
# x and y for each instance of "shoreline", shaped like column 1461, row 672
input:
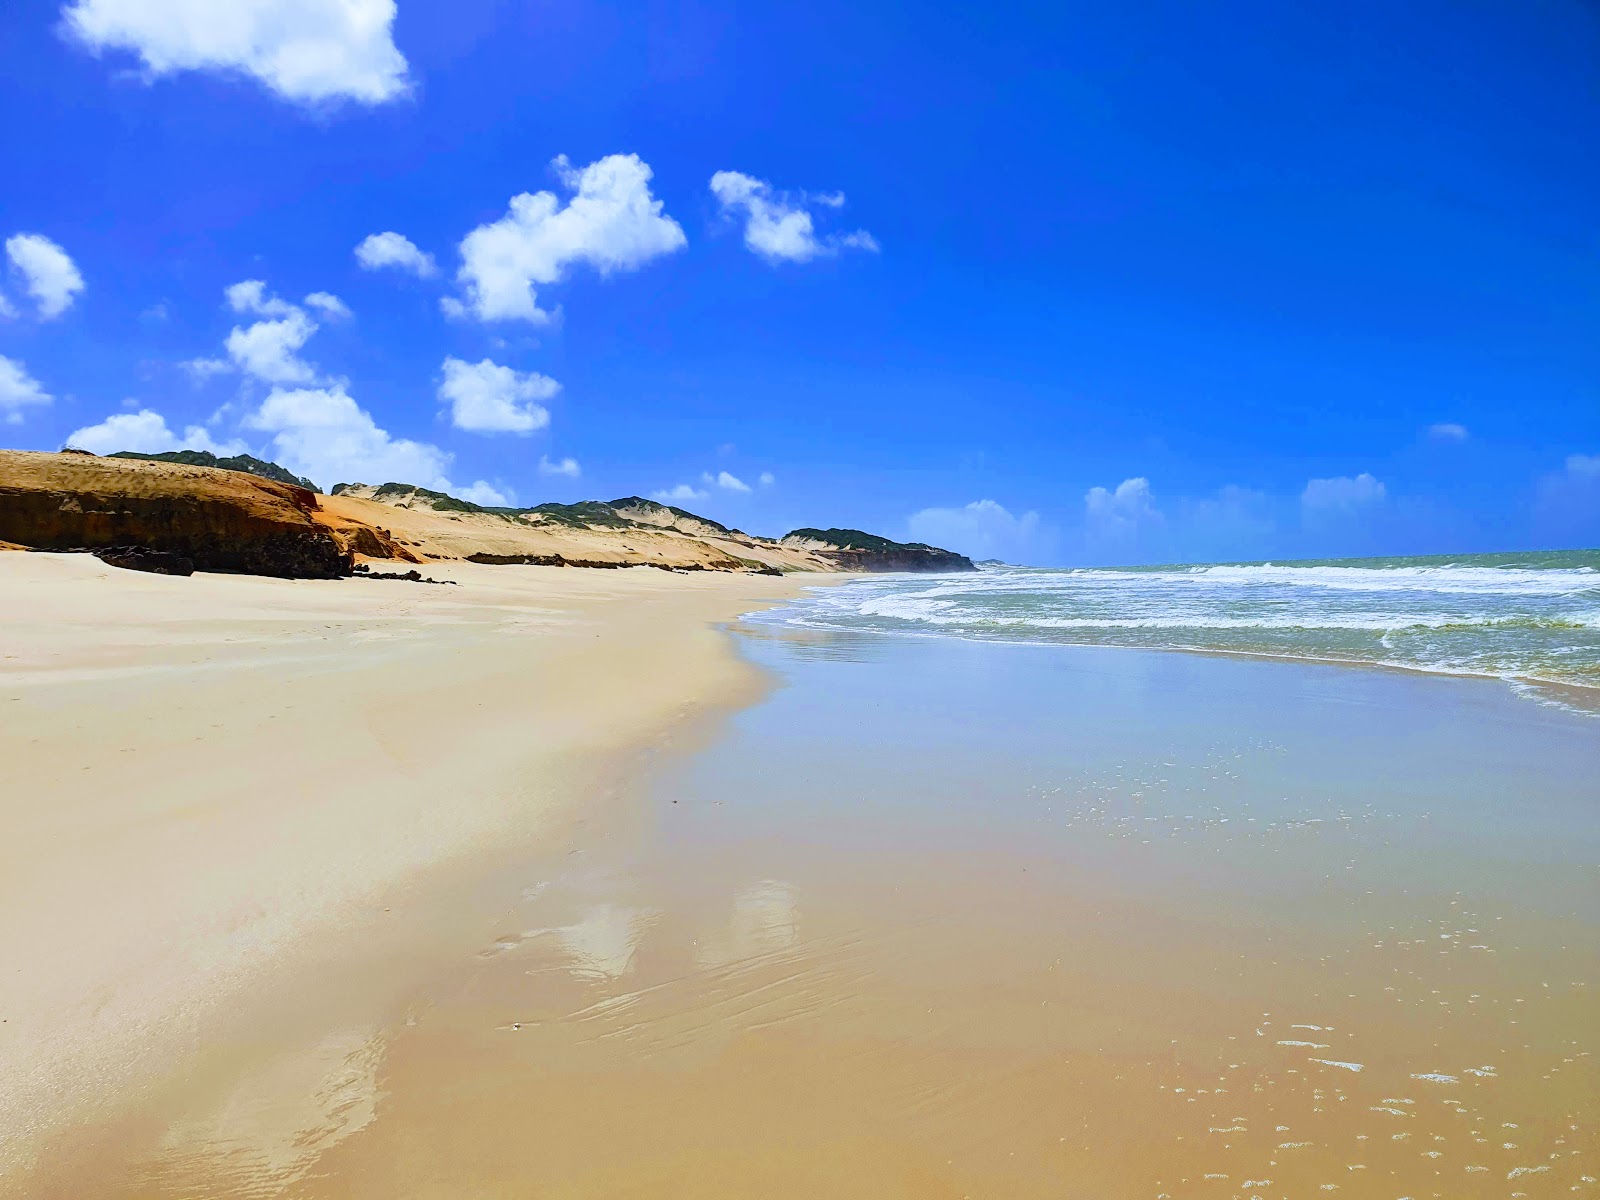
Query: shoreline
column 241, row 838
column 1587, row 693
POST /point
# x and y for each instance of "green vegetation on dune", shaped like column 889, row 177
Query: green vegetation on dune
column 641, row 502
column 585, row 514
column 855, row 539
column 247, row 463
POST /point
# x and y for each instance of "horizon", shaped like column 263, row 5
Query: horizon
column 1088, row 289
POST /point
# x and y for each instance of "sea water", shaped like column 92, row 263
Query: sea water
column 1530, row 618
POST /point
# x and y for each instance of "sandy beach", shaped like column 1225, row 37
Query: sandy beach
column 247, row 815
column 573, row 884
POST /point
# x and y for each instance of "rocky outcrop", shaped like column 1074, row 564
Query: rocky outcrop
column 142, row 558
column 220, row 520
column 853, row 550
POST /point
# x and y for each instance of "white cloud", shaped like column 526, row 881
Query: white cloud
column 307, row 51
column 323, row 434
column 202, row 369
column 18, row 390
column 487, row 494
column 724, row 480
column 488, row 398
column 612, row 223
column 329, row 306
column 392, row 249
column 982, row 529
column 1342, row 494
column 7, row 309
column 268, row 349
column 767, row 479
column 1448, row 431
column 250, row 296
column 48, row 272
column 778, row 227
column 681, row 494
column 567, row 466
column 146, row 432
column 1121, row 512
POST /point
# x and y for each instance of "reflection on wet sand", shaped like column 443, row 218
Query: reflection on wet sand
column 272, row 1127
column 1062, row 934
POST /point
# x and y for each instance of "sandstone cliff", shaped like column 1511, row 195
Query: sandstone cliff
column 220, row 520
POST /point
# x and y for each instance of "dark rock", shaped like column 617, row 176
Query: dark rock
column 142, row 558
column 361, row 571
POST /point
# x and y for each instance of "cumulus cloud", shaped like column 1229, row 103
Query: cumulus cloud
column 567, row 467
column 487, row 494
column 329, row 305
column 269, row 349
column 485, row 397
column 778, row 226
column 250, row 296
column 306, row 51
column 48, row 272
column 611, row 223
column 325, row 435
column 1343, row 494
column 1447, row 431
column 724, row 480
column 682, row 494
column 767, row 479
column 390, row 249
column 982, row 529
column 146, row 432
column 1121, row 511
column 18, row 390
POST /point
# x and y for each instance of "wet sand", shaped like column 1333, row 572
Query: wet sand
column 246, row 819
column 939, row 919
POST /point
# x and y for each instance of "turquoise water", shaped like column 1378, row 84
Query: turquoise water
column 1529, row 618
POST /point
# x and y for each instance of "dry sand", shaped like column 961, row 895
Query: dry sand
column 243, row 814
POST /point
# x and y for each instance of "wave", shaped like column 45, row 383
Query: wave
column 1375, row 623
column 1506, row 620
column 1442, row 580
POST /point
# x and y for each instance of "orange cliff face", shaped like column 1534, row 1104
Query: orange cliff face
column 220, row 520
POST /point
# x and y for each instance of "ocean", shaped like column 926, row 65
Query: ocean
column 1532, row 619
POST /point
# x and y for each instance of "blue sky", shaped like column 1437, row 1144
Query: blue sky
column 1064, row 283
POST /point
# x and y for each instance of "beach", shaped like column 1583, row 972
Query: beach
column 587, row 884
column 245, row 815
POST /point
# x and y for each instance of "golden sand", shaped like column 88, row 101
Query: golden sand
column 244, row 815
column 426, row 938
